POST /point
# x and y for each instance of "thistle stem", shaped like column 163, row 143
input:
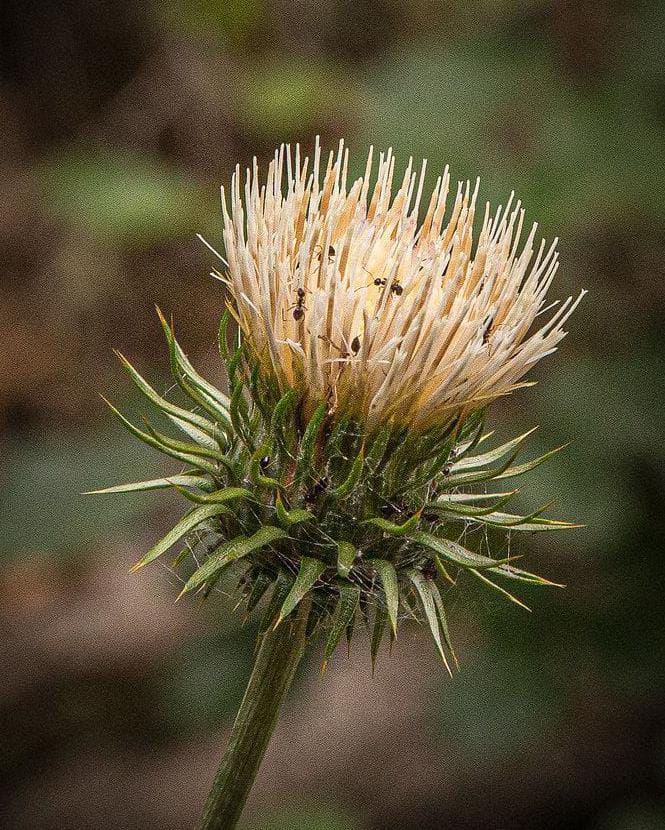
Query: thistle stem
column 276, row 662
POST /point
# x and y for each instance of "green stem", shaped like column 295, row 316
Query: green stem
column 278, row 657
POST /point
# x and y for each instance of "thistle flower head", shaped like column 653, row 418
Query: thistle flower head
column 341, row 465
column 344, row 295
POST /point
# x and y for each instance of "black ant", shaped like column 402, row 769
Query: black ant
column 395, row 287
column 298, row 308
column 264, row 463
column 429, row 570
column 355, row 345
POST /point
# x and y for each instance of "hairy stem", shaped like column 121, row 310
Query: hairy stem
column 278, row 657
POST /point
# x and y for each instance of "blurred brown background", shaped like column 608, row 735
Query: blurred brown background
column 118, row 122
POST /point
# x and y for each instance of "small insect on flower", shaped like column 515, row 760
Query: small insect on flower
column 299, row 306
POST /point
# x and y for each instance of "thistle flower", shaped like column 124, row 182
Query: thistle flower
column 345, row 296
column 336, row 476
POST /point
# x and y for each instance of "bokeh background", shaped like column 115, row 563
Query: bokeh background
column 118, row 122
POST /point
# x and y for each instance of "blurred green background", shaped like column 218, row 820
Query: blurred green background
column 118, row 122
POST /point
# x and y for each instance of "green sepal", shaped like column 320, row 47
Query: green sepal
column 392, row 529
column 232, row 365
column 161, row 403
column 187, row 523
column 153, row 484
column 283, row 408
column 498, row 588
column 346, row 554
column 187, row 458
column 349, row 595
column 388, row 576
column 443, row 620
column 210, row 398
column 309, row 572
column 255, row 474
column 261, row 582
column 283, row 584
column 217, row 496
column 288, row 518
column 238, row 411
column 454, row 552
column 231, row 551
column 224, row 352
column 476, row 461
column 308, row 443
column 511, row 572
column 336, row 438
column 520, row 469
column 183, row 446
column 480, row 475
column 424, row 588
column 446, row 504
column 377, row 449
column 197, row 435
column 351, row 480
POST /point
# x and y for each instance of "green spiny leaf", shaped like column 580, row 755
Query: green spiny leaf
column 443, row 620
column 221, row 336
column 476, row 461
column 183, row 446
column 153, row 484
column 197, row 435
column 445, row 504
column 388, row 576
column 310, row 571
column 288, row 518
column 262, row 581
column 498, row 588
column 187, row 523
column 351, row 480
column 217, row 400
column 231, row 551
column 161, row 403
column 346, row 554
column 349, row 595
column 520, row 469
column 424, row 588
column 283, row 584
column 510, row 572
column 480, row 475
column 453, row 552
column 308, row 443
column 392, row 529
column 195, row 461
column 217, row 496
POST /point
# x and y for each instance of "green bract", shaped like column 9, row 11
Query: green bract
column 315, row 506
